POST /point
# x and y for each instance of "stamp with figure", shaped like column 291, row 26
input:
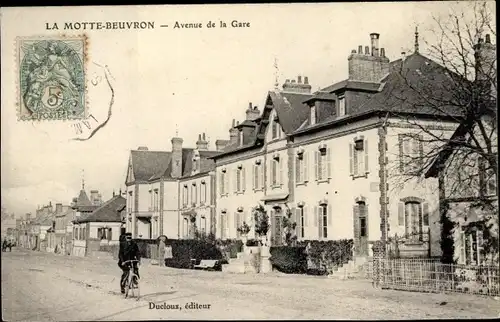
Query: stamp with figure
column 52, row 82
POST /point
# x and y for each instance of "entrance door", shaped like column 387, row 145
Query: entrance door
column 277, row 223
column 361, row 229
column 363, row 236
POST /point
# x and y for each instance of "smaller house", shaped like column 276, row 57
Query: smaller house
column 81, row 206
column 41, row 227
column 101, row 228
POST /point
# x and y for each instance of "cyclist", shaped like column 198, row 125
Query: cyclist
column 128, row 251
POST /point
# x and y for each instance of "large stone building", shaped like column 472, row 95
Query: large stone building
column 170, row 192
column 336, row 158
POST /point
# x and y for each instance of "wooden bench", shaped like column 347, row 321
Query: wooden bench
column 209, row 264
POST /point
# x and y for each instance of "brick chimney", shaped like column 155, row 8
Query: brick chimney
column 297, row 87
column 95, row 197
column 176, row 157
column 252, row 112
column 233, row 133
column 58, row 208
column 221, row 144
column 485, row 55
column 202, row 143
column 368, row 67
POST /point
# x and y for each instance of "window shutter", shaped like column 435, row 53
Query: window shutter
column 226, row 183
column 305, row 157
column 315, row 219
column 262, row 174
column 330, row 214
column 425, row 211
column 297, row 170
column 351, row 159
column 401, row 153
column 298, row 222
column 366, row 156
column 316, row 167
column 243, row 180
column 280, row 164
column 294, row 217
column 254, row 177
column 110, row 232
column 271, row 174
column 235, row 180
column 328, row 162
column 235, row 219
column 273, row 226
column 320, row 222
column 304, row 211
column 401, row 214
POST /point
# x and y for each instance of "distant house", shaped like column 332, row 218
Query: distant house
column 62, row 215
column 44, row 221
column 82, row 206
column 100, row 227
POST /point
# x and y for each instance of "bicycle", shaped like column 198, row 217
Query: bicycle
column 131, row 277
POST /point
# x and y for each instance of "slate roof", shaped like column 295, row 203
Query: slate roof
column 110, row 211
column 291, row 111
column 418, row 86
column 148, row 165
column 82, row 200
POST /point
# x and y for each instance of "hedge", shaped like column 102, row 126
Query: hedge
column 321, row 257
column 287, row 259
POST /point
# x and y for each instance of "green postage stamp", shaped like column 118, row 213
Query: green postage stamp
column 52, row 82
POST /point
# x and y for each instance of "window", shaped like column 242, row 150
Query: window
column 238, row 221
column 491, row 183
column 185, row 227
column 258, row 176
column 239, row 177
column 487, row 179
column 194, row 195
column 322, row 168
column 151, row 201
column 203, row 192
column 275, row 172
column 223, row 226
column 358, row 151
column 410, row 153
column 301, row 168
column 413, row 216
column 323, row 221
column 157, row 201
column 224, row 183
column 341, row 106
column 203, row 224
column 313, row 115
column 300, row 219
column 185, row 195
column 241, row 137
column 471, row 246
column 275, row 129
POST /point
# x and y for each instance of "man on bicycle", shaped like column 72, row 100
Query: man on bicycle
column 128, row 251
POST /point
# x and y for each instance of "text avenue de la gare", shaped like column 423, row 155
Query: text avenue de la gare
column 112, row 25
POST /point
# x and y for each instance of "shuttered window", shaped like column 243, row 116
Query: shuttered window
column 410, row 153
column 414, row 217
column 358, row 158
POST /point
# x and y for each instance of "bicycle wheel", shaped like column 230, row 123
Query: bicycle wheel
column 138, row 289
column 127, row 285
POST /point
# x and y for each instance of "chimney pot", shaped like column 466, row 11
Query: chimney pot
column 234, row 122
column 203, row 136
column 293, row 81
column 353, row 51
column 367, row 50
column 382, row 52
column 299, row 79
column 488, row 39
column 199, row 137
column 306, row 80
column 360, row 49
column 250, row 105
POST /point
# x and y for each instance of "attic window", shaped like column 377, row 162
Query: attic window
column 341, row 106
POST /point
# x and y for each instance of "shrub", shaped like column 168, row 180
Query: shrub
column 183, row 250
column 144, row 249
column 252, row 243
column 261, row 219
column 322, row 256
column 287, row 259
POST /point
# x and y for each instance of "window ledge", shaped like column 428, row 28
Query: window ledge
column 276, row 186
column 358, row 176
column 303, row 183
column 257, row 190
column 240, row 192
column 323, row 181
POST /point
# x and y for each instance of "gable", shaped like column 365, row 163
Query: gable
column 130, row 172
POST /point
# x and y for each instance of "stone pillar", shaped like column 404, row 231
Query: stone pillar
column 379, row 259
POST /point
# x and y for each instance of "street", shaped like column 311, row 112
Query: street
column 46, row 287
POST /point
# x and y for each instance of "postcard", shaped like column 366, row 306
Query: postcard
column 249, row 161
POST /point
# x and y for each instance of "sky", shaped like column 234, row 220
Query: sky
column 169, row 80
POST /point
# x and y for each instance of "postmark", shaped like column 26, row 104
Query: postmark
column 52, row 78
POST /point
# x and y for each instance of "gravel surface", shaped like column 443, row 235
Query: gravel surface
column 46, row 287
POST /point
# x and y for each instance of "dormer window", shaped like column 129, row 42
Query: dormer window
column 313, row 115
column 275, row 128
column 341, row 105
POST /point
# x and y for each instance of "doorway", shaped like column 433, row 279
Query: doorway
column 361, row 229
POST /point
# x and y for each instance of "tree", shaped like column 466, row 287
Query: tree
column 458, row 86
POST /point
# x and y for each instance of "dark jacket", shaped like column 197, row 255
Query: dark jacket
column 129, row 251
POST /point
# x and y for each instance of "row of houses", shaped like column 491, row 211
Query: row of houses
column 342, row 161
column 85, row 226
